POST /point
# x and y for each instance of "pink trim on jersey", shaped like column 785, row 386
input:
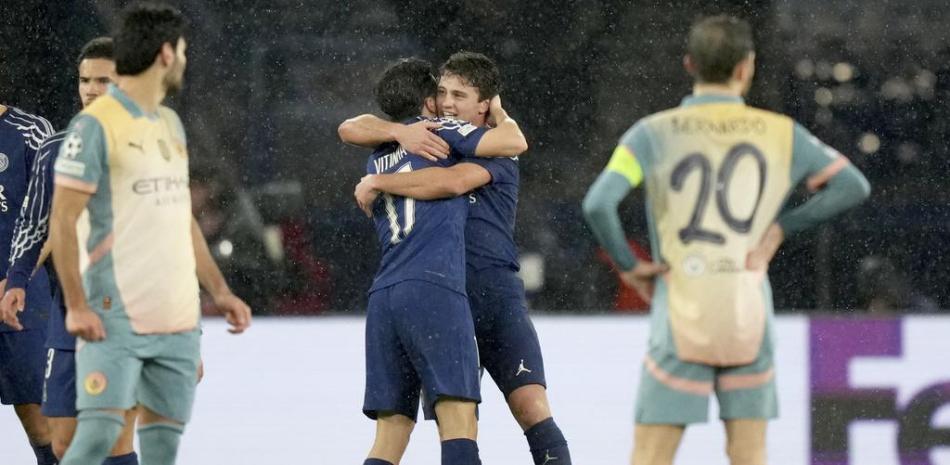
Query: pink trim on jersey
column 697, row 388
column 736, row 382
column 101, row 249
column 819, row 180
column 75, row 184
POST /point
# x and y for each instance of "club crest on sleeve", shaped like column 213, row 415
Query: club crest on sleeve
column 72, row 146
column 4, row 162
column 95, row 383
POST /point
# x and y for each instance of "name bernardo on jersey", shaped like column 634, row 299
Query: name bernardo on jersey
column 692, row 124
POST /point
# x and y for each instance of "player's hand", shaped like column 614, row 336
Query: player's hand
column 495, row 111
column 201, row 369
column 759, row 258
column 236, row 312
column 366, row 195
column 84, row 323
column 14, row 301
column 419, row 139
column 642, row 277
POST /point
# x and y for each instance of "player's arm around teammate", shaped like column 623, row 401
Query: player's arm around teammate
column 505, row 139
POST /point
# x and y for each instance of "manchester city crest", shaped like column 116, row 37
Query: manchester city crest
column 4, row 162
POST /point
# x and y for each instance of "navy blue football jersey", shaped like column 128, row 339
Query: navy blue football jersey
column 20, row 137
column 422, row 240
column 490, row 230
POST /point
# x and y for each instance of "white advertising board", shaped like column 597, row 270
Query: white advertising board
column 290, row 391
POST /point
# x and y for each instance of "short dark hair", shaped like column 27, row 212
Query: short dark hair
column 716, row 45
column 404, row 87
column 142, row 31
column 100, row 47
column 476, row 70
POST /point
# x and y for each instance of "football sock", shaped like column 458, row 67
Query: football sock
column 159, row 443
column 127, row 459
column 547, row 444
column 96, row 433
column 460, row 452
column 44, row 454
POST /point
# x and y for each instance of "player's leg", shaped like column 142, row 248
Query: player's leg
column 747, row 400
column 510, row 351
column 392, row 387
column 166, row 393
column 435, row 326
column 22, row 366
column 656, row 444
column 107, row 373
column 392, row 437
column 745, row 441
column 672, row 394
column 59, row 407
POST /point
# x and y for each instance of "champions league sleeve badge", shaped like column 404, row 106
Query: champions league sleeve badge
column 4, row 162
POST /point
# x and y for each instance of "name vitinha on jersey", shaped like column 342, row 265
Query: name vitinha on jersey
column 385, row 162
column 737, row 125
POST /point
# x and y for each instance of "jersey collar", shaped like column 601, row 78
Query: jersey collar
column 128, row 104
column 710, row 98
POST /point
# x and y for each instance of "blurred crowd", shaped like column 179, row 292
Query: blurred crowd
column 271, row 184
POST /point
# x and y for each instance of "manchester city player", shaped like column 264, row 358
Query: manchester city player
column 717, row 173
column 132, row 295
column 419, row 331
column 96, row 68
column 507, row 342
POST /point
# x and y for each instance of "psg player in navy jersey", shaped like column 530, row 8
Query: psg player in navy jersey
column 507, row 342
column 21, row 345
column 96, row 69
column 419, row 330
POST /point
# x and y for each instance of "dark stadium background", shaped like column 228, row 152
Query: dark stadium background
column 266, row 87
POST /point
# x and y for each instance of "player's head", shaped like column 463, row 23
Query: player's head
column 720, row 50
column 468, row 81
column 150, row 37
column 406, row 89
column 96, row 65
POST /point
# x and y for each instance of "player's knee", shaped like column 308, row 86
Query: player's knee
column 529, row 405
column 456, row 419
column 745, row 453
column 34, row 423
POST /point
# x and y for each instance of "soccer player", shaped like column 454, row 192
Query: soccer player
column 507, row 342
column 419, row 331
column 131, row 292
column 21, row 345
column 717, row 174
column 96, row 71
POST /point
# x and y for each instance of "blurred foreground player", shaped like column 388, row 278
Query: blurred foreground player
column 132, row 295
column 96, row 71
column 717, row 174
column 507, row 342
column 21, row 345
column 419, row 330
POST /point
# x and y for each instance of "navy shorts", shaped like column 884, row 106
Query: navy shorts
column 507, row 342
column 419, row 338
column 22, row 357
column 59, row 387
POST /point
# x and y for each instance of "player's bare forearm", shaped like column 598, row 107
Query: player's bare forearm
column 505, row 139
column 209, row 275
column 68, row 204
column 367, row 131
column 433, row 183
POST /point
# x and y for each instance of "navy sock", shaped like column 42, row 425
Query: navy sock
column 376, row 462
column 547, row 444
column 127, row 459
column 44, row 454
column 460, row 452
